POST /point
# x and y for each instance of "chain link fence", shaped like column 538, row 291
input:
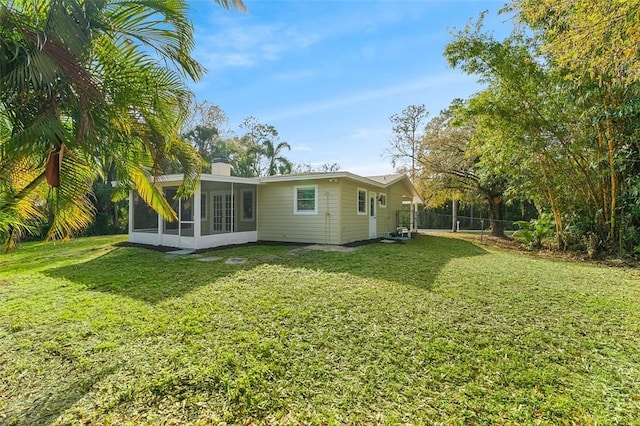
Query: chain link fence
column 430, row 220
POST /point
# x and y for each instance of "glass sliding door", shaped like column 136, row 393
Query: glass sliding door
column 221, row 212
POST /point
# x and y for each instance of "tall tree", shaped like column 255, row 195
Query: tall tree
column 567, row 132
column 81, row 80
column 450, row 163
column 594, row 44
column 408, row 131
column 276, row 162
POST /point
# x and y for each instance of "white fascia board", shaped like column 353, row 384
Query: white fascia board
column 207, row 178
column 322, row 176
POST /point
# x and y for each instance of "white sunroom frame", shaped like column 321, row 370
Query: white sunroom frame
column 197, row 241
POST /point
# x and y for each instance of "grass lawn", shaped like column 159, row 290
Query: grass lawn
column 437, row 331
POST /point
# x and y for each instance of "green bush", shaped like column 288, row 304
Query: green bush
column 533, row 232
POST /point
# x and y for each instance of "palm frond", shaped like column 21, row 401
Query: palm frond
column 191, row 162
column 237, row 4
column 151, row 194
column 71, row 203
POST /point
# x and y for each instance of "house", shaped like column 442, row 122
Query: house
column 321, row 208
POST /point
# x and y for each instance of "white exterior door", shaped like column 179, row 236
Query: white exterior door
column 221, row 212
column 373, row 211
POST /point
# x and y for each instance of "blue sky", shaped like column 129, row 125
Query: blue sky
column 328, row 74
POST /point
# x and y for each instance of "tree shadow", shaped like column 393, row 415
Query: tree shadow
column 45, row 409
column 416, row 262
column 142, row 274
column 152, row 276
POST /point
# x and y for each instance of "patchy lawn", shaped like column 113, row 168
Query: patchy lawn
column 438, row 330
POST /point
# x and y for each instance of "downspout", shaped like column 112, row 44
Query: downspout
column 327, row 222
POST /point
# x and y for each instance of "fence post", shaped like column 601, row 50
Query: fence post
column 454, row 218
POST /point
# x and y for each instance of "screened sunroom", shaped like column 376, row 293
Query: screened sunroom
column 222, row 211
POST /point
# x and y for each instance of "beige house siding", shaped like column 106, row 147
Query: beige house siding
column 386, row 215
column 354, row 226
column 278, row 222
column 394, row 203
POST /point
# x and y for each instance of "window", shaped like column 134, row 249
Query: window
column 145, row 219
column 362, row 201
column 382, row 198
column 246, row 198
column 305, row 199
column 184, row 209
column 172, row 228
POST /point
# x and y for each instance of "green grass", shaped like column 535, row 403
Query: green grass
column 437, row 331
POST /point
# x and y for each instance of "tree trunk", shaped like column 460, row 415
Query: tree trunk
column 52, row 168
column 613, row 176
column 116, row 219
column 496, row 216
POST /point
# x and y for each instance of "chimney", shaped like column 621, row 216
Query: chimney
column 220, row 167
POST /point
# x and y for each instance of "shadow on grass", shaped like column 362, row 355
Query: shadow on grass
column 45, row 409
column 416, row 262
column 152, row 277
column 142, row 274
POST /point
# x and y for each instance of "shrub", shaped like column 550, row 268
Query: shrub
column 533, row 232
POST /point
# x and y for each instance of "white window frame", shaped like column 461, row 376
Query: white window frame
column 315, row 200
column 383, row 195
column 366, row 201
column 253, row 205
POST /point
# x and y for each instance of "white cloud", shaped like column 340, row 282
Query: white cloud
column 294, row 75
column 369, row 169
column 242, row 43
column 217, row 61
column 369, row 95
column 368, row 133
column 231, row 35
column 300, row 148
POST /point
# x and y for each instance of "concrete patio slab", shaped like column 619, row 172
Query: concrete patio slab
column 209, row 259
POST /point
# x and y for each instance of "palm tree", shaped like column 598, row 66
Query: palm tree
column 81, row 81
column 276, row 162
column 260, row 142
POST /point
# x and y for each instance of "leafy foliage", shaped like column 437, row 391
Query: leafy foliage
column 533, row 233
column 447, row 162
column 559, row 117
column 262, row 150
column 307, row 168
column 85, row 84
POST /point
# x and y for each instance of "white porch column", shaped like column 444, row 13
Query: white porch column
column 130, row 212
column 161, row 221
column 197, row 214
column 233, row 209
column 412, row 217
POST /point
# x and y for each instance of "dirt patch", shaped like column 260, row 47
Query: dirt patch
column 510, row 244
